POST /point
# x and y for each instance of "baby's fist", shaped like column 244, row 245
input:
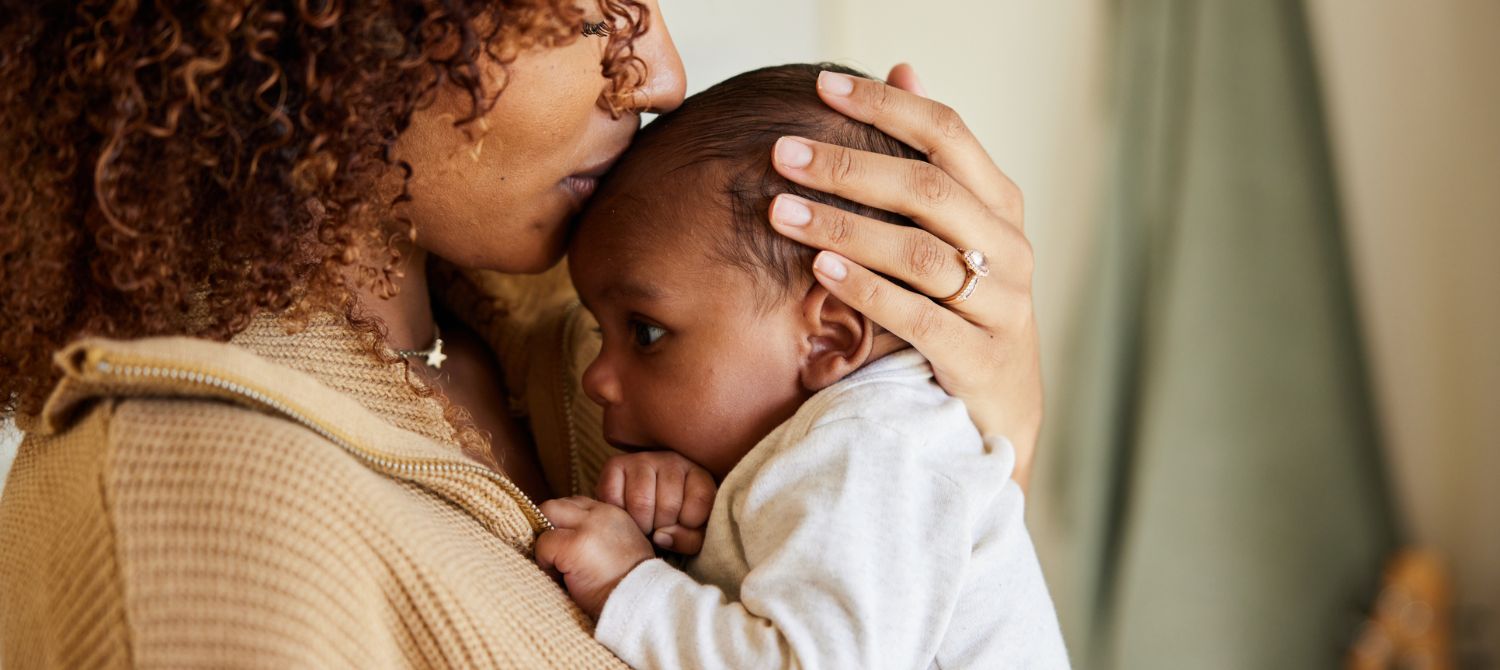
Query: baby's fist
column 593, row 545
column 667, row 495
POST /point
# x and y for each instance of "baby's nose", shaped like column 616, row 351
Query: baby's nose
column 600, row 383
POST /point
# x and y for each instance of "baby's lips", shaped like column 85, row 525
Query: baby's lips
column 627, row 447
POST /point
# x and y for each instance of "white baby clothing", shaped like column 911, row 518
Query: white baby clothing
column 873, row 529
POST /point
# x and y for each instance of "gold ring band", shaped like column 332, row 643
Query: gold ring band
column 975, row 268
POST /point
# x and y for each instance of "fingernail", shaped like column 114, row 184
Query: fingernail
column 662, row 539
column 793, row 153
column 789, row 211
column 831, row 266
column 835, row 83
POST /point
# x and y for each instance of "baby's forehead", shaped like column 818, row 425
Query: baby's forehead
column 652, row 203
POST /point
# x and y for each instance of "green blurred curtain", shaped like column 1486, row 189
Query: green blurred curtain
column 1215, row 487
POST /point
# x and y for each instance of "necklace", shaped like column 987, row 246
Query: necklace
column 434, row 354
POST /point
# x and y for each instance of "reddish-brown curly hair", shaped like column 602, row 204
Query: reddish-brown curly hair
column 179, row 166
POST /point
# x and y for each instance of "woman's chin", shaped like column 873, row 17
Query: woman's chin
column 536, row 255
column 530, row 245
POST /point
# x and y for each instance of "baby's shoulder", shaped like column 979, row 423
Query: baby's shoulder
column 895, row 396
column 890, row 417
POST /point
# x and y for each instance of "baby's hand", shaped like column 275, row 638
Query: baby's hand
column 593, row 545
column 667, row 495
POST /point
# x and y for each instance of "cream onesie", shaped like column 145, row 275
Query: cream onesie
column 873, row 529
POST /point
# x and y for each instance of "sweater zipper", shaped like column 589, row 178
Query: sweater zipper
column 386, row 464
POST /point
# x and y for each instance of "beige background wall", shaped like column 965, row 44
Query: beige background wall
column 1415, row 107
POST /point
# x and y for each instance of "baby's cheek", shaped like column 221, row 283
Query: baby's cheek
column 738, row 411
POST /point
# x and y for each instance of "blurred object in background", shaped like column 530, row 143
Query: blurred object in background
column 1412, row 625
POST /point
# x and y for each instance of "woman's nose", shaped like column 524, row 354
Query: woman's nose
column 600, row 383
column 666, row 81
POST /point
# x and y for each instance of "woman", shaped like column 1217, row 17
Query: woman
column 264, row 422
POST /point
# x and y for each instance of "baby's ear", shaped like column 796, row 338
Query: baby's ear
column 839, row 339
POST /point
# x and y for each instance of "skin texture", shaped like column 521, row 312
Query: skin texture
column 516, row 160
column 498, row 193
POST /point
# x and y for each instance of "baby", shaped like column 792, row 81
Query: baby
column 860, row 520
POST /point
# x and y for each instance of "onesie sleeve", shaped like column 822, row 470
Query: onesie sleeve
column 857, row 551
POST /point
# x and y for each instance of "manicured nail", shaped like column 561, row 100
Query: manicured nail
column 793, row 153
column 789, row 211
column 831, row 266
column 835, row 83
column 662, row 539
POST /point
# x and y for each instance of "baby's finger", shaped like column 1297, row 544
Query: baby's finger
column 611, row 487
column 933, row 330
column 640, row 495
column 550, row 547
column 697, row 499
column 565, row 512
column 669, row 493
column 925, row 262
column 676, row 539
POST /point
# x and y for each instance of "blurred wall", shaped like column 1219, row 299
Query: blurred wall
column 721, row 38
column 1414, row 105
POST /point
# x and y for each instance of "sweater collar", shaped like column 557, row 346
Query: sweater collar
column 339, row 358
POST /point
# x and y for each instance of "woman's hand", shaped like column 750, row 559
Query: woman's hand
column 984, row 349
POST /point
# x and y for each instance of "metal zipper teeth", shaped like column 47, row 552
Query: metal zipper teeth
column 575, row 465
column 539, row 522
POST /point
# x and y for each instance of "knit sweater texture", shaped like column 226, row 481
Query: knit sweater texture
column 285, row 500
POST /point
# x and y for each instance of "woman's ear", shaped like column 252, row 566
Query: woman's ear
column 838, row 339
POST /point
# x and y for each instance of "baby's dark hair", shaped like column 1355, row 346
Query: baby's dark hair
column 733, row 126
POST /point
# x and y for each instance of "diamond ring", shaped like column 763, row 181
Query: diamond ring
column 976, row 268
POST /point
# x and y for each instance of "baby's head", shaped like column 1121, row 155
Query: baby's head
column 714, row 329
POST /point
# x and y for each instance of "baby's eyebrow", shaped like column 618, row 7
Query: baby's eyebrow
column 631, row 289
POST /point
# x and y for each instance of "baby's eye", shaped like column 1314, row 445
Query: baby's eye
column 646, row 334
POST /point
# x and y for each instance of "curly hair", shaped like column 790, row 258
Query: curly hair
column 180, row 166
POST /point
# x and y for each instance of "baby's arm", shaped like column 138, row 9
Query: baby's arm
column 857, row 555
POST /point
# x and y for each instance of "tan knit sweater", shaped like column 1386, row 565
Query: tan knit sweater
column 285, row 501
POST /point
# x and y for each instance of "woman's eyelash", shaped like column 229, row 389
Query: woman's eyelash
column 599, row 29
